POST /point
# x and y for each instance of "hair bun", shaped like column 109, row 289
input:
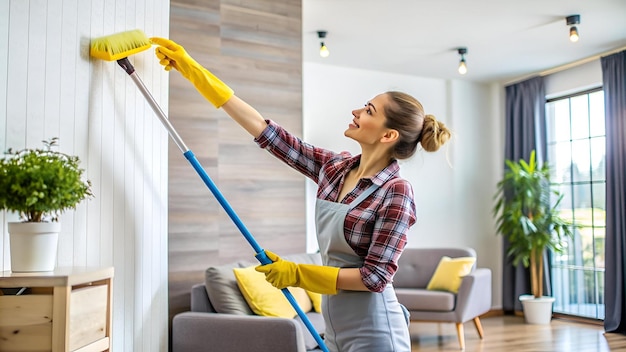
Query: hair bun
column 434, row 134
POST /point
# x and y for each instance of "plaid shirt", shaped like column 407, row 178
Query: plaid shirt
column 376, row 228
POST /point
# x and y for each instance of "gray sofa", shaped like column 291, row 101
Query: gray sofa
column 220, row 320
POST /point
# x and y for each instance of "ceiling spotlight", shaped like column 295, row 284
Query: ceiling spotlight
column 462, row 64
column 572, row 21
column 323, row 49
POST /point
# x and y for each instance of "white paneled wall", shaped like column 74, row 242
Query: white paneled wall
column 49, row 87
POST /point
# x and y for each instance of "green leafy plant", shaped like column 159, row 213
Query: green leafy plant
column 526, row 217
column 40, row 184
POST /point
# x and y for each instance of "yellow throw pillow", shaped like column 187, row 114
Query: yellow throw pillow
column 316, row 299
column 265, row 299
column 449, row 272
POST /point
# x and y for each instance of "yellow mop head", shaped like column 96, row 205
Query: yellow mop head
column 118, row 46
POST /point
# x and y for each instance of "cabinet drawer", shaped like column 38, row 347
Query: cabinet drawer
column 65, row 310
column 25, row 323
column 88, row 315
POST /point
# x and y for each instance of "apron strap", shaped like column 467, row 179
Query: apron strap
column 371, row 189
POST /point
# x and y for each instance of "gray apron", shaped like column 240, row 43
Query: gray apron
column 356, row 321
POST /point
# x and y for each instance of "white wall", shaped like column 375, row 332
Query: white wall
column 454, row 186
column 574, row 80
column 49, row 87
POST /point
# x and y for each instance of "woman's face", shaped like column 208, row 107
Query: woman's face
column 368, row 124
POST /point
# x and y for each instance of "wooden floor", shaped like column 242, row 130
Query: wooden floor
column 512, row 334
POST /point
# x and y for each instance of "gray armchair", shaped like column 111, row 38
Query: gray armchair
column 417, row 266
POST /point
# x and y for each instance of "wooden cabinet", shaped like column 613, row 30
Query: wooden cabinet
column 68, row 309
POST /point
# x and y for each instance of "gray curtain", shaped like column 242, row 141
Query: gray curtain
column 614, row 85
column 525, row 131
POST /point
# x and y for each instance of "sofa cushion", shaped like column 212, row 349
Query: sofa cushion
column 424, row 300
column 417, row 265
column 316, row 300
column 304, row 258
column 223, row 292
column 264, row 299
column 449, row 273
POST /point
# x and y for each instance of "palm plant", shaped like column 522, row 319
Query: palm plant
column 526, row 217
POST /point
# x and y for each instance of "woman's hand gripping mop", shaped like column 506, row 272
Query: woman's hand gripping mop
column 121, row 45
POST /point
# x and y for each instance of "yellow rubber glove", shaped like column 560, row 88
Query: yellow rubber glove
column 171, row 54
column 315, row 278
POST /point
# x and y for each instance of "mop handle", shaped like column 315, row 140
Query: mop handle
column 196, row 165
column 259, row 252
column 260, row 255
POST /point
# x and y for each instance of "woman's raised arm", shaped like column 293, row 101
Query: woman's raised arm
column 172, row 55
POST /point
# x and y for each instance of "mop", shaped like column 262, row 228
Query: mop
column 118, row 47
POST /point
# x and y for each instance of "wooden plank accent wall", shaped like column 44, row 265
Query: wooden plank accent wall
column 256, row 48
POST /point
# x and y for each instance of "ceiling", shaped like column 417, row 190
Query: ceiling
column 506, row 40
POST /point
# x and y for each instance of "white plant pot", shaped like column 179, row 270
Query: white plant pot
column 33, row 245
column 537, row 310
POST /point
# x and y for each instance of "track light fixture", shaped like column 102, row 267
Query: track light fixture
column 572, row 21
column 323, row 49
column 462, row 64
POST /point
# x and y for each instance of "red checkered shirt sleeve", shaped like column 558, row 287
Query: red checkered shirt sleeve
column 301, row 156
column 395, row 214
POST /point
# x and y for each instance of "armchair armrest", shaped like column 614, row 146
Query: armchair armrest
column 474, row 296
column 200, row 300
column 195, row 331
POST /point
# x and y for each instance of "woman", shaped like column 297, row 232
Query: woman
column 363, row 212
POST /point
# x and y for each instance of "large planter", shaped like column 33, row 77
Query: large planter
column 537, row 310
column 33, row 245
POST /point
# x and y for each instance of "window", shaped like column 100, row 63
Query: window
column 576, row 154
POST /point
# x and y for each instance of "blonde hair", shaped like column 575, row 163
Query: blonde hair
column 406, row 115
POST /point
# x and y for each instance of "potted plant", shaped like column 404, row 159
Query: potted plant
column 38, row 185
column 532, row 225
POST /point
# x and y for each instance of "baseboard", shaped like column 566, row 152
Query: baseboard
column 492, row 313
column 559, row 316
column 583, row 320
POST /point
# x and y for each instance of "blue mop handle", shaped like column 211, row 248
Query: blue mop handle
column 260, row 255
column 220, row 198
